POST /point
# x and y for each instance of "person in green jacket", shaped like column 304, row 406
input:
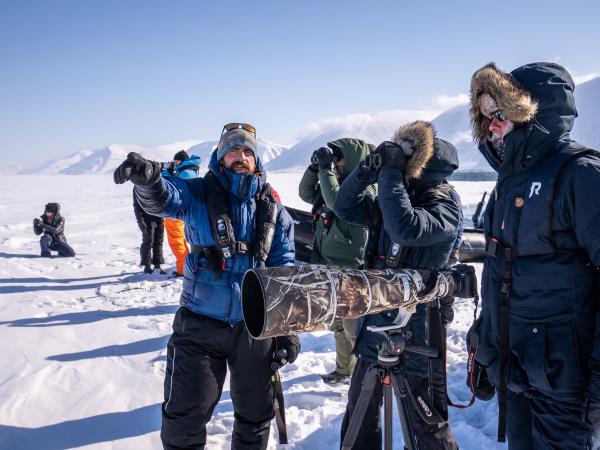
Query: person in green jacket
column 336, row 243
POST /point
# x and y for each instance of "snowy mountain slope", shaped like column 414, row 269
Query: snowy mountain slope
column 452, row 125
column 587, row 125
column 56, row 165
column 372, row 128
column 7, row 168
column 100, row 161
column 106, row 159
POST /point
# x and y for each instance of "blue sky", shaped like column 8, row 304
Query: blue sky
column 80, row 75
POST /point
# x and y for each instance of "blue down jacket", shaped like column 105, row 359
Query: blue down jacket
column 188, row 168
column 552, row 223
column 216, row 294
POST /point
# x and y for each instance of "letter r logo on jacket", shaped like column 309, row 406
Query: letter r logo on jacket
column 535, row 188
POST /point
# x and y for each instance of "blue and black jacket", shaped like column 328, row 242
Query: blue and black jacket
column 213, row 293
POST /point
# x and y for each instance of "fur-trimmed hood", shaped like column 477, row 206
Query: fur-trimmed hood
column 433, row 159
column 548, row 88
column 514, row 101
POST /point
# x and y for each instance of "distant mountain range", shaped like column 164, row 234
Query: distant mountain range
column 452, row 125
column 106, row 159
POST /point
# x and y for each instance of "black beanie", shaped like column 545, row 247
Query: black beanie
column 52, row 207
column 181, row 155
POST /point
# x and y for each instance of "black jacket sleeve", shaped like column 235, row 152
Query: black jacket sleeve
column 584, row 211
column 425, row 225
column 354, row 202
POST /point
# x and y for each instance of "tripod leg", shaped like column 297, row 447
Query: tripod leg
column 368, row 387
column 410, row 441
column 387, row 412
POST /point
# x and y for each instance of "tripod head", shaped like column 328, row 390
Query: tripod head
column 389, row 351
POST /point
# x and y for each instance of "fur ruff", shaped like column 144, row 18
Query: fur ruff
column 422, row 136
column 515, row 102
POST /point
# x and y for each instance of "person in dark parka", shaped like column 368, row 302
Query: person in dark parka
column 52, row 225
column 153, row 235
column 538, row 331
column 412, row 224
column 234, row 209
column 335, row 243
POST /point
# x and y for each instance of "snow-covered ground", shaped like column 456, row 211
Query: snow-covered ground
column 83, row 339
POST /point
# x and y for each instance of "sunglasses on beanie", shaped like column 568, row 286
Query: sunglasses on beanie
column 234, row 126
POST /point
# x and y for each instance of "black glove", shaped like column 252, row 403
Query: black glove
column 392, row 155
column 137, row 169
column 314, row 163
column 287, row 349
column 48, row 228
column 37, row 222
column 324, row 157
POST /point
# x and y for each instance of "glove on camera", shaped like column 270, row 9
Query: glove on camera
column 287, row 349
column 393, row 155
column 138, row 170
column 323, row 157
column 464, row 277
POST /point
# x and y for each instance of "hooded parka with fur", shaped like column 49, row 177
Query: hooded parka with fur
column 544, row 209
column 417, row 209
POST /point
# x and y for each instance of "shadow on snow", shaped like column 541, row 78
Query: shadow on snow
column 78, row 318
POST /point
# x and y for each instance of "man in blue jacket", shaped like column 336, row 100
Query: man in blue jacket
column 539, row 328
column 233, row 223
column 186, row 167
column 412, row 224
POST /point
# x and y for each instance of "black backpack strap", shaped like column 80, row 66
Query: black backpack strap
column 266, row 219
column 320, row 210
column 218, row 205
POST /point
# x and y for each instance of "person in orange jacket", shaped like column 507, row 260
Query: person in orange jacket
column 184, row 166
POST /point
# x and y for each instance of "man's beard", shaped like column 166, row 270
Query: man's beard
column 240, row 167
column 497, row 137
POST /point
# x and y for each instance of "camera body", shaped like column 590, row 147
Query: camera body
column 168, row 167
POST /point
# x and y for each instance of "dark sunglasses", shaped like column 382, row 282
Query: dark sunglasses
column 235, row 126
column 498, row 115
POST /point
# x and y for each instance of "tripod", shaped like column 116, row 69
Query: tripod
column 391, row 373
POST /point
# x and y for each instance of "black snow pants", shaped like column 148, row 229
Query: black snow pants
column 535, row 424
column 198, row 354
column 153, row 233
column 429, row 437
column 47, row 243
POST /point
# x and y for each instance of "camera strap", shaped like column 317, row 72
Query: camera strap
column 472, row 349
column 279, row 407
column 437, row 339
column 320, row 211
